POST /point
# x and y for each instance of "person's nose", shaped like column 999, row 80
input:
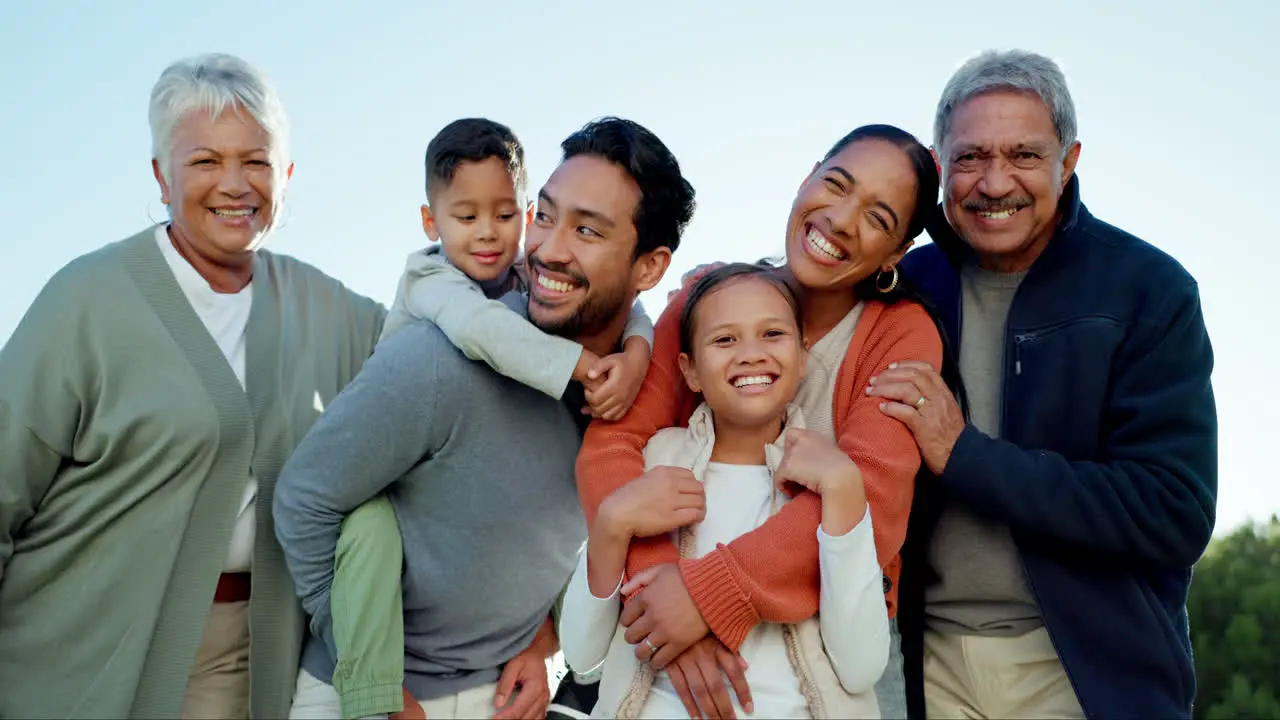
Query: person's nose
column 997, row 182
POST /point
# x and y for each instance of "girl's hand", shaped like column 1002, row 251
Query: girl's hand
column 812, row 461
column 661, row 500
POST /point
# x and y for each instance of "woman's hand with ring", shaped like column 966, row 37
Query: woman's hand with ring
column 653, row 649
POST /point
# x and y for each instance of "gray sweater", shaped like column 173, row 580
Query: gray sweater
column 479, row 469
column 983, row 588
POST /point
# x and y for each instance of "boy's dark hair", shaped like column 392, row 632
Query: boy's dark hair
column 717, row 278
column 472, row 140
column 666, row 197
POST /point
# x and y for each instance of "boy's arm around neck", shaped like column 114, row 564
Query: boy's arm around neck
column 486, row 329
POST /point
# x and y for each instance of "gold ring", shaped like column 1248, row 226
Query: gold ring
column 920, row 403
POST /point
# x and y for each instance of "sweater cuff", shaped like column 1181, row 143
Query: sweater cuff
column 726, row 609
column 378, row 699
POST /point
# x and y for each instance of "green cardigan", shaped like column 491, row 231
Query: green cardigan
column 125, row 444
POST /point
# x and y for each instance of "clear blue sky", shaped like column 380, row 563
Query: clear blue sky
column 1177, row 104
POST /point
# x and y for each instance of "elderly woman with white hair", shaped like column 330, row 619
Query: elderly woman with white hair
column 148, row 400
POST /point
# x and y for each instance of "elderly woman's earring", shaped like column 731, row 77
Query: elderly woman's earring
column 151, row 215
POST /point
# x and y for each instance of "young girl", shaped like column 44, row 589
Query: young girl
column 746, row 446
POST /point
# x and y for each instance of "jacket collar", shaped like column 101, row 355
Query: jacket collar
column 702, row 431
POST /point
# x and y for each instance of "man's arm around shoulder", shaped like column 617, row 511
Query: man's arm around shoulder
column 1151, row 495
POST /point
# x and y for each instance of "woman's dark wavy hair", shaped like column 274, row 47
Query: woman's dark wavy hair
column 927, row 182
column 926, row 171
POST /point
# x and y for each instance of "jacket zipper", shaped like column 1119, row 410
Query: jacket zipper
column 1018, row 341
column 1075, row 687
column 1017, row 350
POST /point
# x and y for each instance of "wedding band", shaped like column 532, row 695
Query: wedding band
column 920, row 403
column 652, row 650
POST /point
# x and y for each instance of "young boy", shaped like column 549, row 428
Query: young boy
column 476, row 214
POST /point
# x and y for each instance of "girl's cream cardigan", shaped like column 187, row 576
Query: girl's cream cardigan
column 625, row 683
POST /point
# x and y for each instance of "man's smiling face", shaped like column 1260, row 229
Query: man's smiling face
column 581, row 247
column 1003, row 172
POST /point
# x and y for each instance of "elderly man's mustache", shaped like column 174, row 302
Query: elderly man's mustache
column 989, row 205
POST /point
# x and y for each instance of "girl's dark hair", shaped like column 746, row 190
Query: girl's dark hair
column 717, row 278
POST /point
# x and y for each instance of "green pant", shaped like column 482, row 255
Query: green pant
column 367, row 604
column 368, row 611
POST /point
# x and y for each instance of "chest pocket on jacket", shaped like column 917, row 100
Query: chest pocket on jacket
column 1057, row 395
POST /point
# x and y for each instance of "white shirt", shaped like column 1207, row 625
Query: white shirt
column 225, row 316
column 739, row 499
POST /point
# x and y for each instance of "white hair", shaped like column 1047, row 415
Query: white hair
column 214, row 83
column 1016, row 70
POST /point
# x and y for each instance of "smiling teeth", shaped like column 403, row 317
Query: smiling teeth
column 1001, row 215
column 753, row 380
column 555, row 285
column 233, row 213
column 820, row 244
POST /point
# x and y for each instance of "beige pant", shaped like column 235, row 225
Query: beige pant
column 313, row 699
column 969, row 676
column 218, row 688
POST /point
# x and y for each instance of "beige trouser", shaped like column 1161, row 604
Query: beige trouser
column 218, row 688
column 315, row 699
column 970, row 676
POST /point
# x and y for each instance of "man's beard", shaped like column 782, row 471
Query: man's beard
column 598, row 311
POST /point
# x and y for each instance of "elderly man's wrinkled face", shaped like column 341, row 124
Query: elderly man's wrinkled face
column 221, row 188
column 1003, row 172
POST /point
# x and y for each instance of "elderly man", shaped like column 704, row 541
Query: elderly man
column 478, row 467
column 1049, row 561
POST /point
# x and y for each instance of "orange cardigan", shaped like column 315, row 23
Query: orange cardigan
column 771, row 573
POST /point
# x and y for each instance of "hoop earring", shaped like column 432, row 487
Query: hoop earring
column 149, row 214
column 893, row 284
column 284, row 215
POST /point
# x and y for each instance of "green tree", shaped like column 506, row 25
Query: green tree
column 1235, row 625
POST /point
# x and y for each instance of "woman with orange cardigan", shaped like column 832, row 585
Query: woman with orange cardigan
column 854, row 217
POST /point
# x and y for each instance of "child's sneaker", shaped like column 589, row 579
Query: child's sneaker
column 575, row 698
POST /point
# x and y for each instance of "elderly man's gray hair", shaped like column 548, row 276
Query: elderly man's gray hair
column 1017, row 70
column 214, row 83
